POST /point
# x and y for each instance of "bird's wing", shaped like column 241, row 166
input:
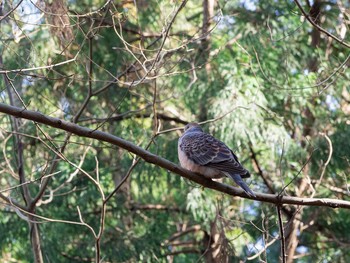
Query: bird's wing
column 205, row 150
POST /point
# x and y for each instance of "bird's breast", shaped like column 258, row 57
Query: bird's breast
column 188, row 164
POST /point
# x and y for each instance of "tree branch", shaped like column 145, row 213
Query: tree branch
column 179, row 234
column 158, row 207
column 120, row 117
column 164, row 163
column 319, row 28
column 283, row 243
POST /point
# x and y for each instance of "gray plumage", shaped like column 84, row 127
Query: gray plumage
column 202, row 153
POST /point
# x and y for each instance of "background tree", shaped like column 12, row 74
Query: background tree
column 267, row 77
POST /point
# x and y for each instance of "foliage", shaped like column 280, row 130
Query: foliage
column 274, row 87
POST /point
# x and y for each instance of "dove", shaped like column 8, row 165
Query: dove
column 202, row 153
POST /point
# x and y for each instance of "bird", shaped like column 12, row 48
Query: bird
column 202, row 153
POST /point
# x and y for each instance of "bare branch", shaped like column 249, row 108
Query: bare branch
column 9, row 12
column 312, row 22
column 283, row 244
column 157, row 207
column 164, row 163
column 177, row 235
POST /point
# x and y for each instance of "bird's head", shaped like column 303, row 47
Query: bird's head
column 193, row 126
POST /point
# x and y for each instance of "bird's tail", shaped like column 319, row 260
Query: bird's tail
column 238, row 179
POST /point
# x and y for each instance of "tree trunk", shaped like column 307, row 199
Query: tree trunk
column 203, row 55
column 216, row 245
column 35, row 241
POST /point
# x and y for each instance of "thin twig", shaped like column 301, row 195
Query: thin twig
column 307, row 16
column 330, row 146
column 9, row 12
column 135, row 162
column 161, row 162
column 280, row 223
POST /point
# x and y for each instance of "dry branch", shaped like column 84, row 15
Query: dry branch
column 319, row 28
column 161, row 162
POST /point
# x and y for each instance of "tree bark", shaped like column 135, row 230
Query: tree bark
column 203, row 56
column 164, row 163
column 215, row 245
column 293, row 229
column 35, row 241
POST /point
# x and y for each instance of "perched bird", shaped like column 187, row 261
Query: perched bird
column 201, row 153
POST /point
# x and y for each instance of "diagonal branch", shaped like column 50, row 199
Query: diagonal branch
column 164, row 163
column 312, row 22
column 9, row 12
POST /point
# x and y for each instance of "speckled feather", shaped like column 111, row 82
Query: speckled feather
column 203, row 149
column 202, row 153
